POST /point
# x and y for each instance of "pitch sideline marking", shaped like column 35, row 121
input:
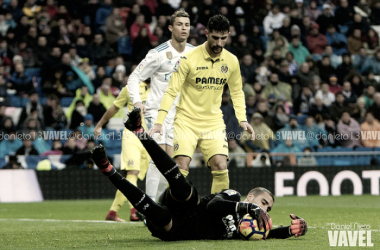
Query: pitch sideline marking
column 127, row 222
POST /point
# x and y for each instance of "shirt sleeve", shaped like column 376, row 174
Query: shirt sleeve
column 180, row 72
column 143, row 71
column 224, row 203
column 122, row 99
column 237, row 95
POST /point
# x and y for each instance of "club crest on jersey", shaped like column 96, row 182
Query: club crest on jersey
column 176, row 66
column 140, row 67
column 176, row 147
column 230, row 192
column 130, row 163
column 224, row 69
column 169, row 55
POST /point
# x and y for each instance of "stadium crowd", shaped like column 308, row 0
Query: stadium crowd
column 308, row 66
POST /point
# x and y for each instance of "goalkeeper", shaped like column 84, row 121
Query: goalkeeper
column 180, row 214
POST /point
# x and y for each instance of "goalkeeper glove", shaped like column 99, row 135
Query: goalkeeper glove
column 257, row 213
column 298, row 227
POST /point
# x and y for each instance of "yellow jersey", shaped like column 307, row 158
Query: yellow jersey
column 124, row 99
column 201, row 80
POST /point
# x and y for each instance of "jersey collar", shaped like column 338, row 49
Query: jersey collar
column 207, row 55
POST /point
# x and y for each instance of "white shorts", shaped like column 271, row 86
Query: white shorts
column 167, row 128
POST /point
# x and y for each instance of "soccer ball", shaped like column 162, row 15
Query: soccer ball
column 249, row 229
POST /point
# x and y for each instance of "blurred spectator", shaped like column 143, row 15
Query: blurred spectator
column 280, row 118
column 305, row 75
column 285, row 29
column 70, row 147
column 141, row 45
column 370, row 127
column 5, row 53
column 32, row 123
column 51, row 8
column 276, row 88
column 318, row 108
column 77, row 114
column 359, row 23
column 261, row 160
column 52, row 62
column 307, row 160
column 349, row 96
column 356, row 81
column 42, row 51
column 248, row 68
column 332, row 134
column 137, row 25
column 86, row 68
column 13, row 163
column 273, row 20
column 103, row 12
column 250, row 106
column 326, row 18
column 289, row 130
column 344, row 14
column 14, row 9
column 243, row 47
column 345, row 68
column 371, row 81
column 369, row 96
column 287, row 147
column 262, row 132
column 292, row 63
column 101, row 50
column 118, row 76
column 325, row 68
column 349, row 129
column 315, row 84
column 234, row 148
column 262, row 109
column 336, row 40
column 277, row 41
column 22, row 27
column 283, row 74
column 354, row 42
column 75, row 59
column 100, row 74
column 299, row 51
column 56, row 149
column 371, row 40
column 144, row 9
column 164, row 8
column 26, row 148
column 82, row 50
column 87, row 127
column 26, row 53
column 71, row 85
column 312, row 11
column 360, row 60
column 373, row 64
column 296, row 32
column 338, row 107
column 375, row 13
column 334, row 59
column 11, row 144
column 334, row 86
column 32, row 106
column 96, row 109
column 315, row 40
column 3, row 25
column 375, row 107
column 316, row 132
column 305, row 100
column 53, row 113
column 115, row 28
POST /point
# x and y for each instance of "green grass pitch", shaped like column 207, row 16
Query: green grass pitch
column 79, row 225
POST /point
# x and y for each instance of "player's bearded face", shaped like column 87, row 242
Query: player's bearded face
column 217, row 41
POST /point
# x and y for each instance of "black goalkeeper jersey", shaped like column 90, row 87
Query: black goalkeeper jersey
column 216, row 225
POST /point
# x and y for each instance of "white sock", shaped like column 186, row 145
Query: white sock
column 152, row 181
column 162, row 185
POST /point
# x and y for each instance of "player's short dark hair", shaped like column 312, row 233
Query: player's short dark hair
column 178, row 13
column 218, row 23
column 259, row 190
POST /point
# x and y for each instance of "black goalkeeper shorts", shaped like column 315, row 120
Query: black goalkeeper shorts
column 183, row 218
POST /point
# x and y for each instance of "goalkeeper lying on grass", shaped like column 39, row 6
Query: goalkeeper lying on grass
column 180, row 214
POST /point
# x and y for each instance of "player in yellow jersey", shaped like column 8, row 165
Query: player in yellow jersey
column 134, row 158
column 200, row 76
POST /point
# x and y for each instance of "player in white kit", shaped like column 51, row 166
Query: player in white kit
column 158, row 65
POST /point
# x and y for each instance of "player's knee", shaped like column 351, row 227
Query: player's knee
column 218, row 165
column 133, row 172
column 183, row 162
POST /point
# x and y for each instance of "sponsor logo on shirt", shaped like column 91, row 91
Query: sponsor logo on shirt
column 176, row 66
column 169, row 55
column 230, row 192
column 176, row 147
column 202, row 68
column 131, row 163
column 140, row 67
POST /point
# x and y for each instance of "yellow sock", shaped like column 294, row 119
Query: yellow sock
column 220, row 181
column 132, row 179
column 118, row 202
column 183, row 172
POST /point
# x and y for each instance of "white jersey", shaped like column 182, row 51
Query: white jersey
column 158, row 65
